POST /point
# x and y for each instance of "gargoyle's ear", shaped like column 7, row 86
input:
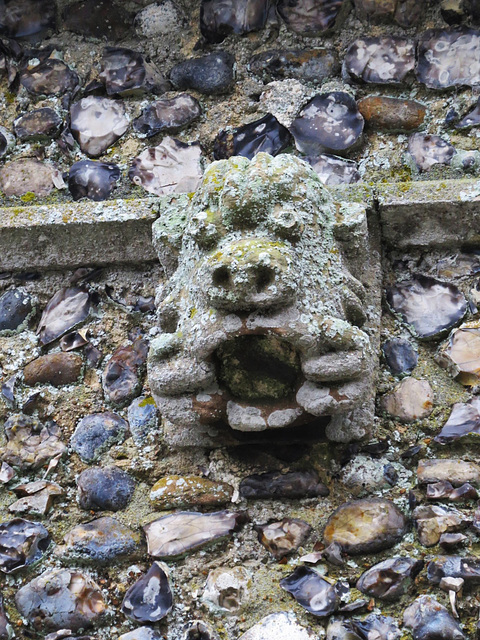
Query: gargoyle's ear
column 168, row 229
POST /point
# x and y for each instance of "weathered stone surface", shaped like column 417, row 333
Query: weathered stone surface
column 390, row 579
column 176, row 534
column 59, row 599
column 365, row 526
column 427, row 151
column 278, row 625
column 227, row 588
column 30, row 443
column 27, row 18
column 97, row 123
column 159, row 19
column 96, row 433
column 122, row 377
column 20, row 177
column 333, row 171
column 405, row 12
column 380, row 60
column 173, row 492
column 16, row 308
column 411, row 400
column 97, row 18
column 36, row 497
column 210, row 74
column 100, row 541
column 392, row 114
column 104, row 488
column 56, row 369
column 428, row 619
column 258, row 276
column 142, row 418
column 453, row 470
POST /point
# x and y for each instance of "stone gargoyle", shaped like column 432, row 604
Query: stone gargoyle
column 261, row 321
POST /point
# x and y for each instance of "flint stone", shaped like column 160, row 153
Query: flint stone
column 50, row 77
column 453, row 470
column 29, row 176
column 27, row 18
column 467, row 568
column 429, row 620
column 265, row 135
column 227, row 588
column 37, row 497
column 96, row 433
column 125, row 72
column 38, row 124
column 311, row 591
column 104, row 489
column 97, row 123
column 283, row 537
column 142, row 633
column 100, row 541
column 173, row 492
column 405, row 12
column 31, row 444
column 380, row 60
column 310, row 17
column 307, row 65
column 210, row 74
column 410, row 400
column 150, row 598
column 365, row 526
column 59, row 599
column 66, row 309
column 427, row 151
column 56, row 369
column 392, row 114
column 463, row 421
column 432, row 520
column 168, row 115
column 122, row 378
column 390, row 579
column 22, row 543
column 97, row 18
column 274, row 484
column 93, row 180
column 334, row 171
column 460, row 354
column 16, row 308
column 220, row 18
column 400, row 356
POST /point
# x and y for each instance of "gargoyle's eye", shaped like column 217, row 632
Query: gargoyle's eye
column 206, row 228
column 285, row 222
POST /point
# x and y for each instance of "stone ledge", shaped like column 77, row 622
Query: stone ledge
column 414, row 214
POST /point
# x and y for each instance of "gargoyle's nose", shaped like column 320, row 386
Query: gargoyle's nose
column 250, row 274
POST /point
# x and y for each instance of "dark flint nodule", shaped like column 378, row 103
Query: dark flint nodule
column 330, row 123
column 7, row 141
column 143, row 633
column 428, row 305
column 104, row 489
column 463, row 421
column 266, row 135
column 41, row 123
column 274, row 484
column 220, row 18
column 50, row 77
column 92, row 180
column 376, row 627
column 427, row 151
column 5, row 629
column 15, row 309
column 439, row 490
column 405, row 12
column 24, row 18
column 97, row 432
column 168, row 115
column 210, row 74
column 310, row 65
column 150, row 598
column 400, row 356
column 97, row 18
column 21, row 543
column 122, row 378
column 69, row 307
column 283, row 537
column 126, row 72
column 389, row 579
column 380, row 60
column 467, row 568
column 472, row 119
column 449, row 58
column 311, row 591
column 309, row 17
column 430, row 620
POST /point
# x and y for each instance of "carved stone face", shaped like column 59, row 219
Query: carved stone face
column 260, row 321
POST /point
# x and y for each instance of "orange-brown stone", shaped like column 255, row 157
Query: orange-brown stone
column 392, row 114
column 54, row 368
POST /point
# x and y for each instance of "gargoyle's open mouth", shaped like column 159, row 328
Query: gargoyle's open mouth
column 258, row 368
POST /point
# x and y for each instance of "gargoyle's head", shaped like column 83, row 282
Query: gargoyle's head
column 260, row 321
